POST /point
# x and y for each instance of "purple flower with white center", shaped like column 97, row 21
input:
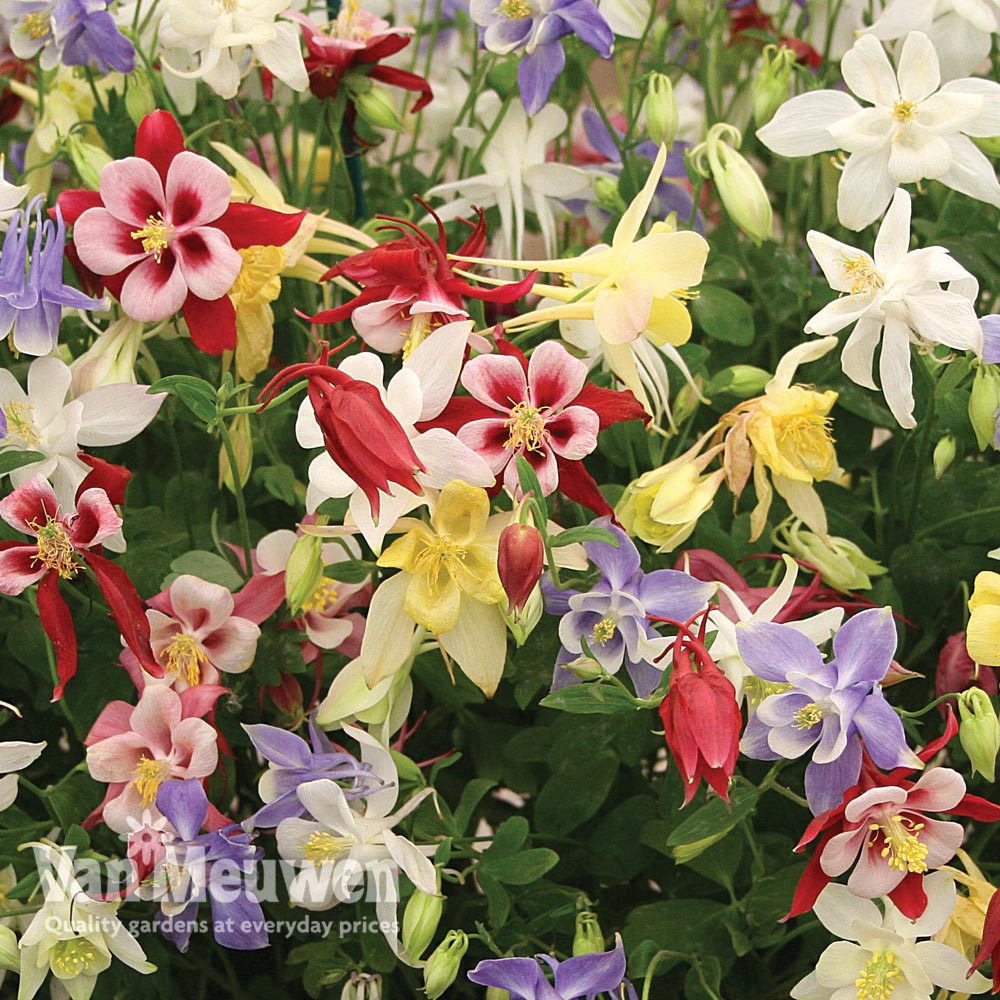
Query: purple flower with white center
column 611, row 618
column 538, row 27
column 832, row 706
column 88, row 36
column 210, row 862
column 32, row 293
column 581, row 976
column 293, row 762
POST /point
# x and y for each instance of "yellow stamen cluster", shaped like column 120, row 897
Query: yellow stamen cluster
column 323, row 597
column 55, row 550
column 903, row 850
column 878, row 978
column 36, row 25
column 808, row 716
column 73, row 957
column 155, row 235
column 514, row 10
column 806, row 432
column 149, row 775
column 185, row 658
column 438, row 551
column 20, row 426
column 526, row 428
column 347, row 26
column 322, row 846
column 863, row 274
column 904, row 111
column 228, row 6
column 604, row 630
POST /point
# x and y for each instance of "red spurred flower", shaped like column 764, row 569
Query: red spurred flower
column 409, row 287
column 62, row 547
column 359, row 432
column 163, row 235
column 520, row 561
column 990, row 948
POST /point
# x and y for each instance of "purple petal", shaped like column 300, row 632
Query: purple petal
column 771, row 651
column 619, row 564
column 561, row 677
column 990, row 326
column 185, row 804
column 279, row 746
column 754, row 743
column 177, row 929
column 285, row 806
column 604, row 143
column 882, row 730
column 238, row 923
column 669, row 593
column 537, row 74
column 521, row 977
column 645, row 677
column 826, row 783
column 583, row 17
column 864, row 647
column 556, row 600
column 600, row 972
column 320, row 741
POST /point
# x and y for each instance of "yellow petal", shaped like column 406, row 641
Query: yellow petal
column 668, row 261
column 461, row 512
column 982, row 637
column 433, row 599
column 478, row 644
column 630, row 222
column 669, row 322
column 986, row 591
column 619, row 317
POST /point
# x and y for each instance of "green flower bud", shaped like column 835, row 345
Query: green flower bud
column 584, row 667
column 139, row 98
column 420, row 922
column 495, row 993
column 304, row 572
column 377, row 107
column 522, row 624
column 589, row 938
column 841, row 563
column 442, row 967
column 984, row 403
column 10, row 956
column 979, row 731
column 944, row 455
column 362, row 986
column 738, row 380
column 771, row 85
column 88, row 159
column 608, row 195
column 662, row 116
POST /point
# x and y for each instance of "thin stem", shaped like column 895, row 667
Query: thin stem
column 241, row 507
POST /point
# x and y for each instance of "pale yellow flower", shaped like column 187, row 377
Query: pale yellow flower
column 982, row 635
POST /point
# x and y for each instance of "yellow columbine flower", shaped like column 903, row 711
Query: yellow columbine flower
column 964, row 928
column 982, row 635
column 455, row 555
column 257, row 285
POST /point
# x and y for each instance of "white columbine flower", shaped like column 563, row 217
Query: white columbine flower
column 885, row 958
column 829, row 26
column 915, row 130
column 895, row 297
column 15, row 755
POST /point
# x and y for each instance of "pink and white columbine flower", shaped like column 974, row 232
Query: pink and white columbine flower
column 136, row 748
column 538, row 419
column 888, row 831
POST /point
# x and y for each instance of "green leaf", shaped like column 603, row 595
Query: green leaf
column 711, row 823
column 11, row 459
column 530, row 484
column 25, row 888
column 77, row 837
column 723, row 315
column 583, row 534
column 472, row 795
column 576, row 791
column 508, row 839
column 523, row 868
column 74, row 797
column 199, row 396
column 497, row 900
column 592, row 699
column 349, row 571
column 205, row 565
column 279, row 481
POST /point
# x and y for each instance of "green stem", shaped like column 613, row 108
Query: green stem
column 232, row 411
column 241, row 507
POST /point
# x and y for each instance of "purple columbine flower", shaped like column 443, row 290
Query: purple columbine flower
column 293, row 762
column 208, row 864
column 611, row 618
column 89, row 36
column 832, row 706
column 32, row 293
column 537, row 27
column 581, row 976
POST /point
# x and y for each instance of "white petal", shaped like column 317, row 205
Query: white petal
column 941, row 893
column 919, row 72
column 831, row 255
column 919, row 153
column 894, row 371
column 865, row 189
column 327, row 803
column 16, row 755
column 307, row 430
column 835, row 315
column 418, row 868
column 869, row 130
column 971, row 172
column 800, row 126
column 947, row 967
column 893, row 238
column 867, row 71
column 446, row 458
column 437, row 362
column 809, row 350
column 48, row 382
column 8, row 791
column 946, row 318
column 384, row 650
column 839, row 910
column 113, row 414
column 858, row 356
column 478, row 644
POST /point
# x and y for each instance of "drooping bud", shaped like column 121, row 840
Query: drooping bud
column 979, row 732
column 139, row 97
column 586, row 668
column 442, row 967
column 662, row 115
column 10, row 955
column 110, row 359
column 944, row 455
column 304, row 572
column 287, row 696
column 420, row 922
column 589, row 938
column 88, row 159
column 842, row 564
column 362, row 986
column 608, row 195
column 520, row 561
column 375, row 106
column 742, row 381
column 241, row 437
column 771, row 84
column 984, row 404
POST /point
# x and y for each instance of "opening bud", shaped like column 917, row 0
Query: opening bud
column 984, row 403
column 841, row 563
column 139, row 97
column 362, row 986
column 442, row 967
column 376, row 106
column 662, row 115
column 520, row 560
column 979, row 731
column 304, row 572
column 88, row 159
column 420, row 922
column 944, row 455
column 496, row 993
column 589, row 938
column 770, row 86
column 743, row 381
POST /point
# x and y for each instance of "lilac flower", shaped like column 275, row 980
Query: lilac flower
column 32, row 293
column 834, row 705
column 990, row 326
column 293, row 762
column 582, row 976
column 538, row 27
column 611, row 616
column 212, row 861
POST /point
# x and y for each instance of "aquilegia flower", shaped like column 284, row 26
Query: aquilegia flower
column 538, row 27
column 894, row 298
column 829, row 706
column 916, row 129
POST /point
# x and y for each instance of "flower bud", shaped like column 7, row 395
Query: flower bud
column 442, row 967
column 585, row 667
column 362, row 986
column 608, row 195
column 304, row 572
column 957, row 671
column 944, row 455
column 420, row 922
column 242, row 440
column 984, row 404
column 496, row 993
column 287, row 696
column 10, row 956
column 110, row 359
column 979, row 731
column 139, row 97
column 88, row 159
column 375, row 105
column 662, row 115
column 589, row 938
column 771, row 84
column 743, row 381
column 841, row 564
column 520, row 560
column 522, row 623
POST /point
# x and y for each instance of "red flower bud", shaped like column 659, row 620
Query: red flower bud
column 520, row 559
column 956, row 672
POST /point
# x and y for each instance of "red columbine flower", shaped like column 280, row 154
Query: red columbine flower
column 61, row 547
column 990, row 948
column 359, row 432
column 520, row 561
column 163, row 235
column 908, row 894
column 409, row 287
column 701, row 718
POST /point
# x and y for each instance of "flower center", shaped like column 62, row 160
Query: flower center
column 149, row 775
column 348, row 26
column 877, row 978
column 185, row 658
column 55, row 550
column 903, row 850
column 35, row 25
column 904, row 111
column 526, row 427
column 808, row 716
column 20, row 427
column 228, row 6
column 322, row 846
column 514, row 9
column 864, row 276
column 323, row 597
column 259, row 279
column 156, row 234
column 757, row 690
column 438, row 552
column 807, row 433
column 604, row 630
column 73, row 957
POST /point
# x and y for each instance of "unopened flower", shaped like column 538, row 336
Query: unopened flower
column 841, row 563
column 520, row 560
column 444, row 962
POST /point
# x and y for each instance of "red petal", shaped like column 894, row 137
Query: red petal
column 813, row 881
column 159, row 140
column 460, row 411
column 198, row 701
column 578, row 484
column 58, row 624
column 977, row 808
column 250, row 226
column 212, row 323
column 909, row 896
column 611, row 405
column 73, row 204
column 260, row 597
column 990, row 948
column 104, row 476
column 408, row 81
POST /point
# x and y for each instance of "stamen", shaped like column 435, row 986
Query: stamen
column 526, row 427
column 604, row 630
column 155, row 235
column 55, row 549
column 20, row 426
column 514, row 10
column 877, row 979
column 903, row 850
column 73, row 957
column 323, row 597
column 864, row 276
column 149, row 775
column 322, row 846
column 808, row 716
column 36, row 25
column 185, row 658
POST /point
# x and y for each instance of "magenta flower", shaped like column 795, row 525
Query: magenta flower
column 537, row 417
column 887, row 830
column 136, row 748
